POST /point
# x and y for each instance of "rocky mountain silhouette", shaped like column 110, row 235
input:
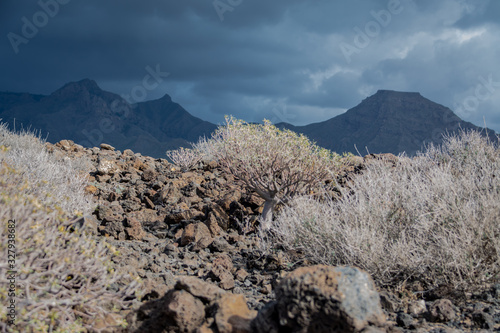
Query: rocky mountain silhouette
column 387, row 122
column 83, row 112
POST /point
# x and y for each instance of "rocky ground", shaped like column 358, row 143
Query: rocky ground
column 191, row 236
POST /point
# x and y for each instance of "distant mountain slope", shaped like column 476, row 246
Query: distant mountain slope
column 164, row 118
column 386, row 122
column 9, row 100
column 82, row 112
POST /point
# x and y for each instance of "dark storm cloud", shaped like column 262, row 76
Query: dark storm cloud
column 286, row 60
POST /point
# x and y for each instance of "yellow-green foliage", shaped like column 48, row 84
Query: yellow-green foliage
column 62, row 278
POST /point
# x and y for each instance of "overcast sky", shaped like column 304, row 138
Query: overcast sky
column 285, row 60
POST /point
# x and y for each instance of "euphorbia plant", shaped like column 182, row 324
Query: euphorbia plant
column 276, row 164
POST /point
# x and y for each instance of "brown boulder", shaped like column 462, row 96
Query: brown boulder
column 149, row 174
column 184, row 215
column 66, row 145
column 133, row 228
column 322, row 299
column 107, row 166
column 145, row 215
column 170, row 194
column 185, row 310
column 235, row 195
column 213, row 225
column 177, row 311
column 105, row 146
column 220, row 215
column 233, row 314
column 221, row 270
column 197, row 233
column 442, row 310
column 110, row 212
column 207, row 292
column 113, row 229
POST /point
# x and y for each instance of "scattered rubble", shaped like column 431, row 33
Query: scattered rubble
column 191, row 237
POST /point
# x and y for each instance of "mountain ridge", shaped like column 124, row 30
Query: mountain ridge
column 387, row 122
column 81, row 111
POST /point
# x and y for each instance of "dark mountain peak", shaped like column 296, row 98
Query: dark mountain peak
column 393, row 98
column 389, row 93
column 78, row 87
column 400, row 104
column 81, row 111
column 387, row 122
column 166, row 98
column 86, row 84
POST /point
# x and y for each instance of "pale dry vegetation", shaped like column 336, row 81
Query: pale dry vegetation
column 184, row 158
column 59, row 181
column 64, row 279
column 276, row 164
column 433, row 218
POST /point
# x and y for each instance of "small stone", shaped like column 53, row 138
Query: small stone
column 66, row 145
column 149, row 203
column 128, row 152
column 221, row 216
column 389, row 301
column 416, row 308
column 107, row 167
column 197, row 233
column 91, row 189
column 220, row 245
column 105, row 146
column 207, row 292
column 483, row 320
column 442, row 310
column 213, row 225
column 221, row 270
column 404, row 320
column 134, row 229
column 110, row 212
column 226, row 281
column 241, row 275
column 148, row 175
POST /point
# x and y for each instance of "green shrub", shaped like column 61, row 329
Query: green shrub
column 64, row 280
column 434, row 218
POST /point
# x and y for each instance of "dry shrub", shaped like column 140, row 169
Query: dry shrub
column 184, row 158
column 434, row 218
column 276, row 164
column 63, row 179
column 64, row 279
column 206, row 149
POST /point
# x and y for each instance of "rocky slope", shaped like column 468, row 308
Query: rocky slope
column 191, row 236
